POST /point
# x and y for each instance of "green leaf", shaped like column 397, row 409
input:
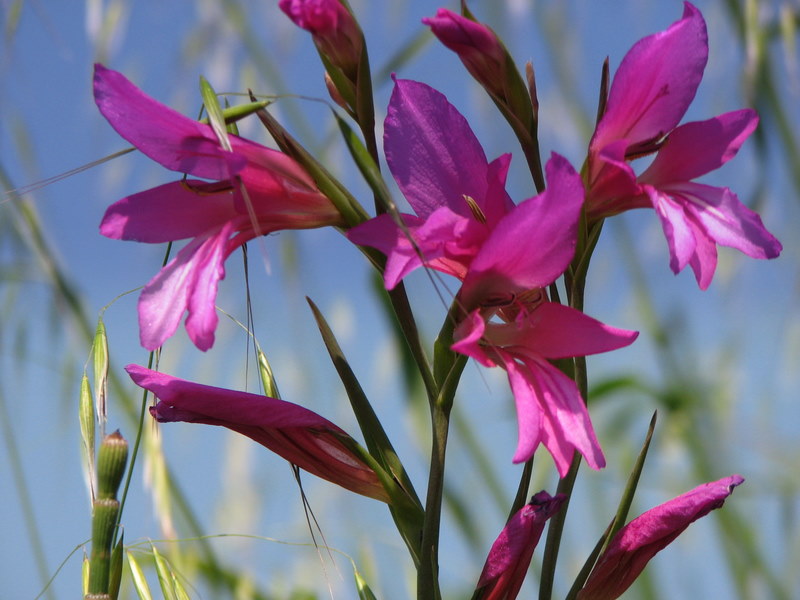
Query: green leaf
column 115, row 573
column 215, row 114
column 164, row 575
column 100, row 368
column 364, row 591
column 86, row 419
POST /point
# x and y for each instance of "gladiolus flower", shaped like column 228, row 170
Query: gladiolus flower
column 294, row 433
column 259, row 191
column 651, row 91
column 467, row 226
column 640, row 540
column 510, row 556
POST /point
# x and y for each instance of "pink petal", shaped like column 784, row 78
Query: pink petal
column 297, row 434
column 169, row 138
column 467, row 339
column 641, row 539
column 533, row 244
column 433, row 153
column 697, row 148
column 680, row 230
column 553, row 331
column 188, row 282
column 655, row 83
column 167, row 213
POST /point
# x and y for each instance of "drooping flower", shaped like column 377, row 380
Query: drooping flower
column 259, row 191
column 510, row 555
column 635, row 544
column 467, row 226
column 293, row 432
column 651, row 91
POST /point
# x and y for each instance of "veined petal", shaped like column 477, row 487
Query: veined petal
column 533, row 244
column 655, row 83
column 553, row 331
column 681, row 232
column 169, row 212
column 293, row 432
column 635, row 544
column 163, row 134
column 697, row 148
column 432, row 151
column 188, row 282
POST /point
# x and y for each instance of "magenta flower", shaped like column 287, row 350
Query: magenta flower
column 478, row 47
column 336, row 33
column 259, row 190
column 467, row 226
column 510, row 556
column 640, row 540
column 294, row 433
column 651, row 91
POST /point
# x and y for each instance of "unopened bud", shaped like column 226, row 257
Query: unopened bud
column 111, row 462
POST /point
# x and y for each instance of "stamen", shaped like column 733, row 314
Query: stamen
column 207, row 189
column 475, row 209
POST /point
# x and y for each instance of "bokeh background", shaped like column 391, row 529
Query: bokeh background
column 721, row 366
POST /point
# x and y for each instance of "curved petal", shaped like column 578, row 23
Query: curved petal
column 163, row 134
column 681, row 233
column 655, row 83
column 697, row 148
column 169, row 212
column 467, row 336
column 432, row 151
column 188, row 282
column 533, row 244
column 553, row 331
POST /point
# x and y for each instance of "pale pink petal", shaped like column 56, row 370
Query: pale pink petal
column 527, row 399
column 167, row 213
column 163, row 134
column 697, row 148
column 678, row 229
column 655, row 83
column 433, row 153
column 640, row 540
column 188, row 282
column 467, row 339
column 533, row 244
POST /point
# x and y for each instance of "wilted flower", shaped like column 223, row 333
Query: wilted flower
column 259, row 191
column 294, row 433
column 651, row 91
column 640, row 540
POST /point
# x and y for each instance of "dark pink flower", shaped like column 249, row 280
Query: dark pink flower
column 294, row 433
column 477, row 46
column 467, row 226
column 650, row 93
column 259, row 191
column 640, row 540
column 336, row 33
column 510, row 556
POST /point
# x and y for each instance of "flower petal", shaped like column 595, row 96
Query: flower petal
column 697, row 148
column 655, row 83
column 163, row 134
column 188, row 282
column 433, row 153
column 167, row 213
column 533, row 244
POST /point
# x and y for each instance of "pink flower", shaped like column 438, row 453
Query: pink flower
column 651, row 91
column 259, row 191
column 640, row 540
column 336, row 33
column 510, row 556
column 467, row 226
column 294, row 433
column 477, row 46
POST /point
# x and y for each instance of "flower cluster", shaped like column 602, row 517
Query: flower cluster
column 506, row 256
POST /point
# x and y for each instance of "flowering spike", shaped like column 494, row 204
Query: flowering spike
column 641, row 539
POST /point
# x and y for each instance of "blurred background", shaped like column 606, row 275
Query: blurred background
column 721, row 366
